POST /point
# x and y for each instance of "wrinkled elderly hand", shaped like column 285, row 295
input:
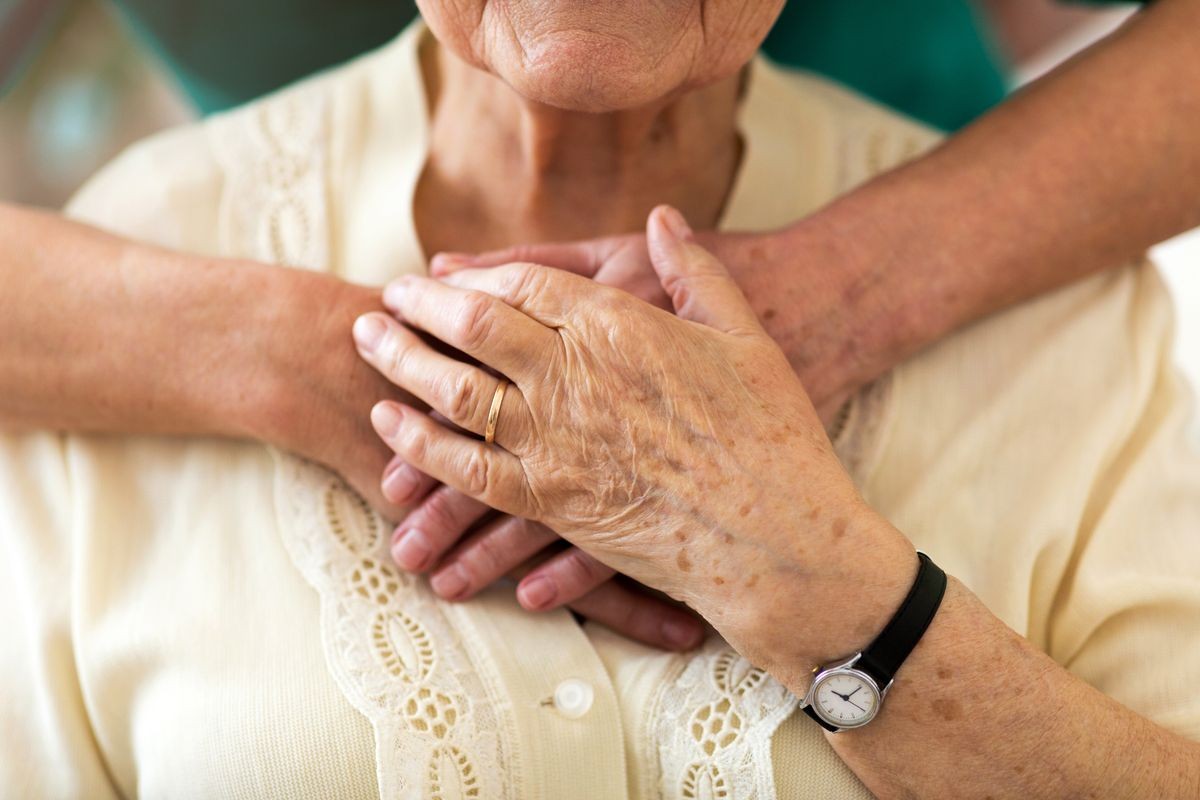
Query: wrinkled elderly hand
column 808, row 291
column 817, row 293
column 305, row 390
column 681, row 451
column 805, row 288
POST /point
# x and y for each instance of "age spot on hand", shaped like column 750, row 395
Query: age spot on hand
column 839, row 528
column 683, row 562
column 948, row 710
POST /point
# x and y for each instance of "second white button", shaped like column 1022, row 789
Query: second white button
column 573, row 698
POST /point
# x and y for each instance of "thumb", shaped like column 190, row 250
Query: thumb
column 697, row 283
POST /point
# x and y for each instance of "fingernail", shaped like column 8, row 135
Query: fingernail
column 674, row 222
column 682, row 634
column 537, row 592
column 369, row 331
column 386, row 419
column 400, row 483
column 411, row 551
column 450, row 583
column 393, row 294
column 447, row 262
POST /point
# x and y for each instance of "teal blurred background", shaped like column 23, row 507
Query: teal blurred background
column 80, row 78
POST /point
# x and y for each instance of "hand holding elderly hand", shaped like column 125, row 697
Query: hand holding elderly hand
column 682, row 451
column 810, row 285
column 807, row 289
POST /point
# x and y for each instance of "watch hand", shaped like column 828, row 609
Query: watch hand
column 856, row 705
column 847, row 697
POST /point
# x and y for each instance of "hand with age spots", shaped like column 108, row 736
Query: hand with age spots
column 828, row 327
column 680, row 450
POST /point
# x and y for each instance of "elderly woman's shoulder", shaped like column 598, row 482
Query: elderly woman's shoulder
column 171, row 188
column 133, row 194
column 868, row 137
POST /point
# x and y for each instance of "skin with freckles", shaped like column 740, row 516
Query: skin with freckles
column 602, row 443
column 538, row 164
column 684, row 452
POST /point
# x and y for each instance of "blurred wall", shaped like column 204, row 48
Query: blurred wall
column 88, row 95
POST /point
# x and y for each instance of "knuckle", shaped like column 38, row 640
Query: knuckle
column 518, row 254
column 529, row 274
column 477, row 475
column 634, row 620
column 490, row 558
column 461, row 395
column 441, row 511
column 467, row 570
column 627, row 617
column 533, row 531
column 525, row 279
column 582, row 570
column 612, row 301
column 473, row 325
column 396, row 352
column 413, row 443
column 679, row 288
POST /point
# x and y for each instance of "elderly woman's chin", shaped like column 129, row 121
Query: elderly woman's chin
column 603, row 57
column 586, row 72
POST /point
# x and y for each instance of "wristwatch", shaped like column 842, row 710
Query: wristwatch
column 848, row 694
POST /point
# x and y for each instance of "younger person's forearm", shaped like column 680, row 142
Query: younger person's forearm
column 1078, row 173
column 101, row 334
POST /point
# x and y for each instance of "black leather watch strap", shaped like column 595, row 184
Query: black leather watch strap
column 883, row 657
column 812, row 712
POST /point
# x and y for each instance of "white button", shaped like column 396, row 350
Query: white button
column 573, row 698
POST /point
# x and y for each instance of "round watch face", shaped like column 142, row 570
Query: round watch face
column 846, row 698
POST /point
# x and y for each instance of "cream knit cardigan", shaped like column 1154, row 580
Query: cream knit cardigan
column 198, row 618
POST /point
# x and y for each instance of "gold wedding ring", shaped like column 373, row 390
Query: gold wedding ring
column 489, row 433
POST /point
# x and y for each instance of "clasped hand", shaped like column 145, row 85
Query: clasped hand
column 679, row 450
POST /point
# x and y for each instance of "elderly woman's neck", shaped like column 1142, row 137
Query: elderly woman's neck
column 515, row 171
